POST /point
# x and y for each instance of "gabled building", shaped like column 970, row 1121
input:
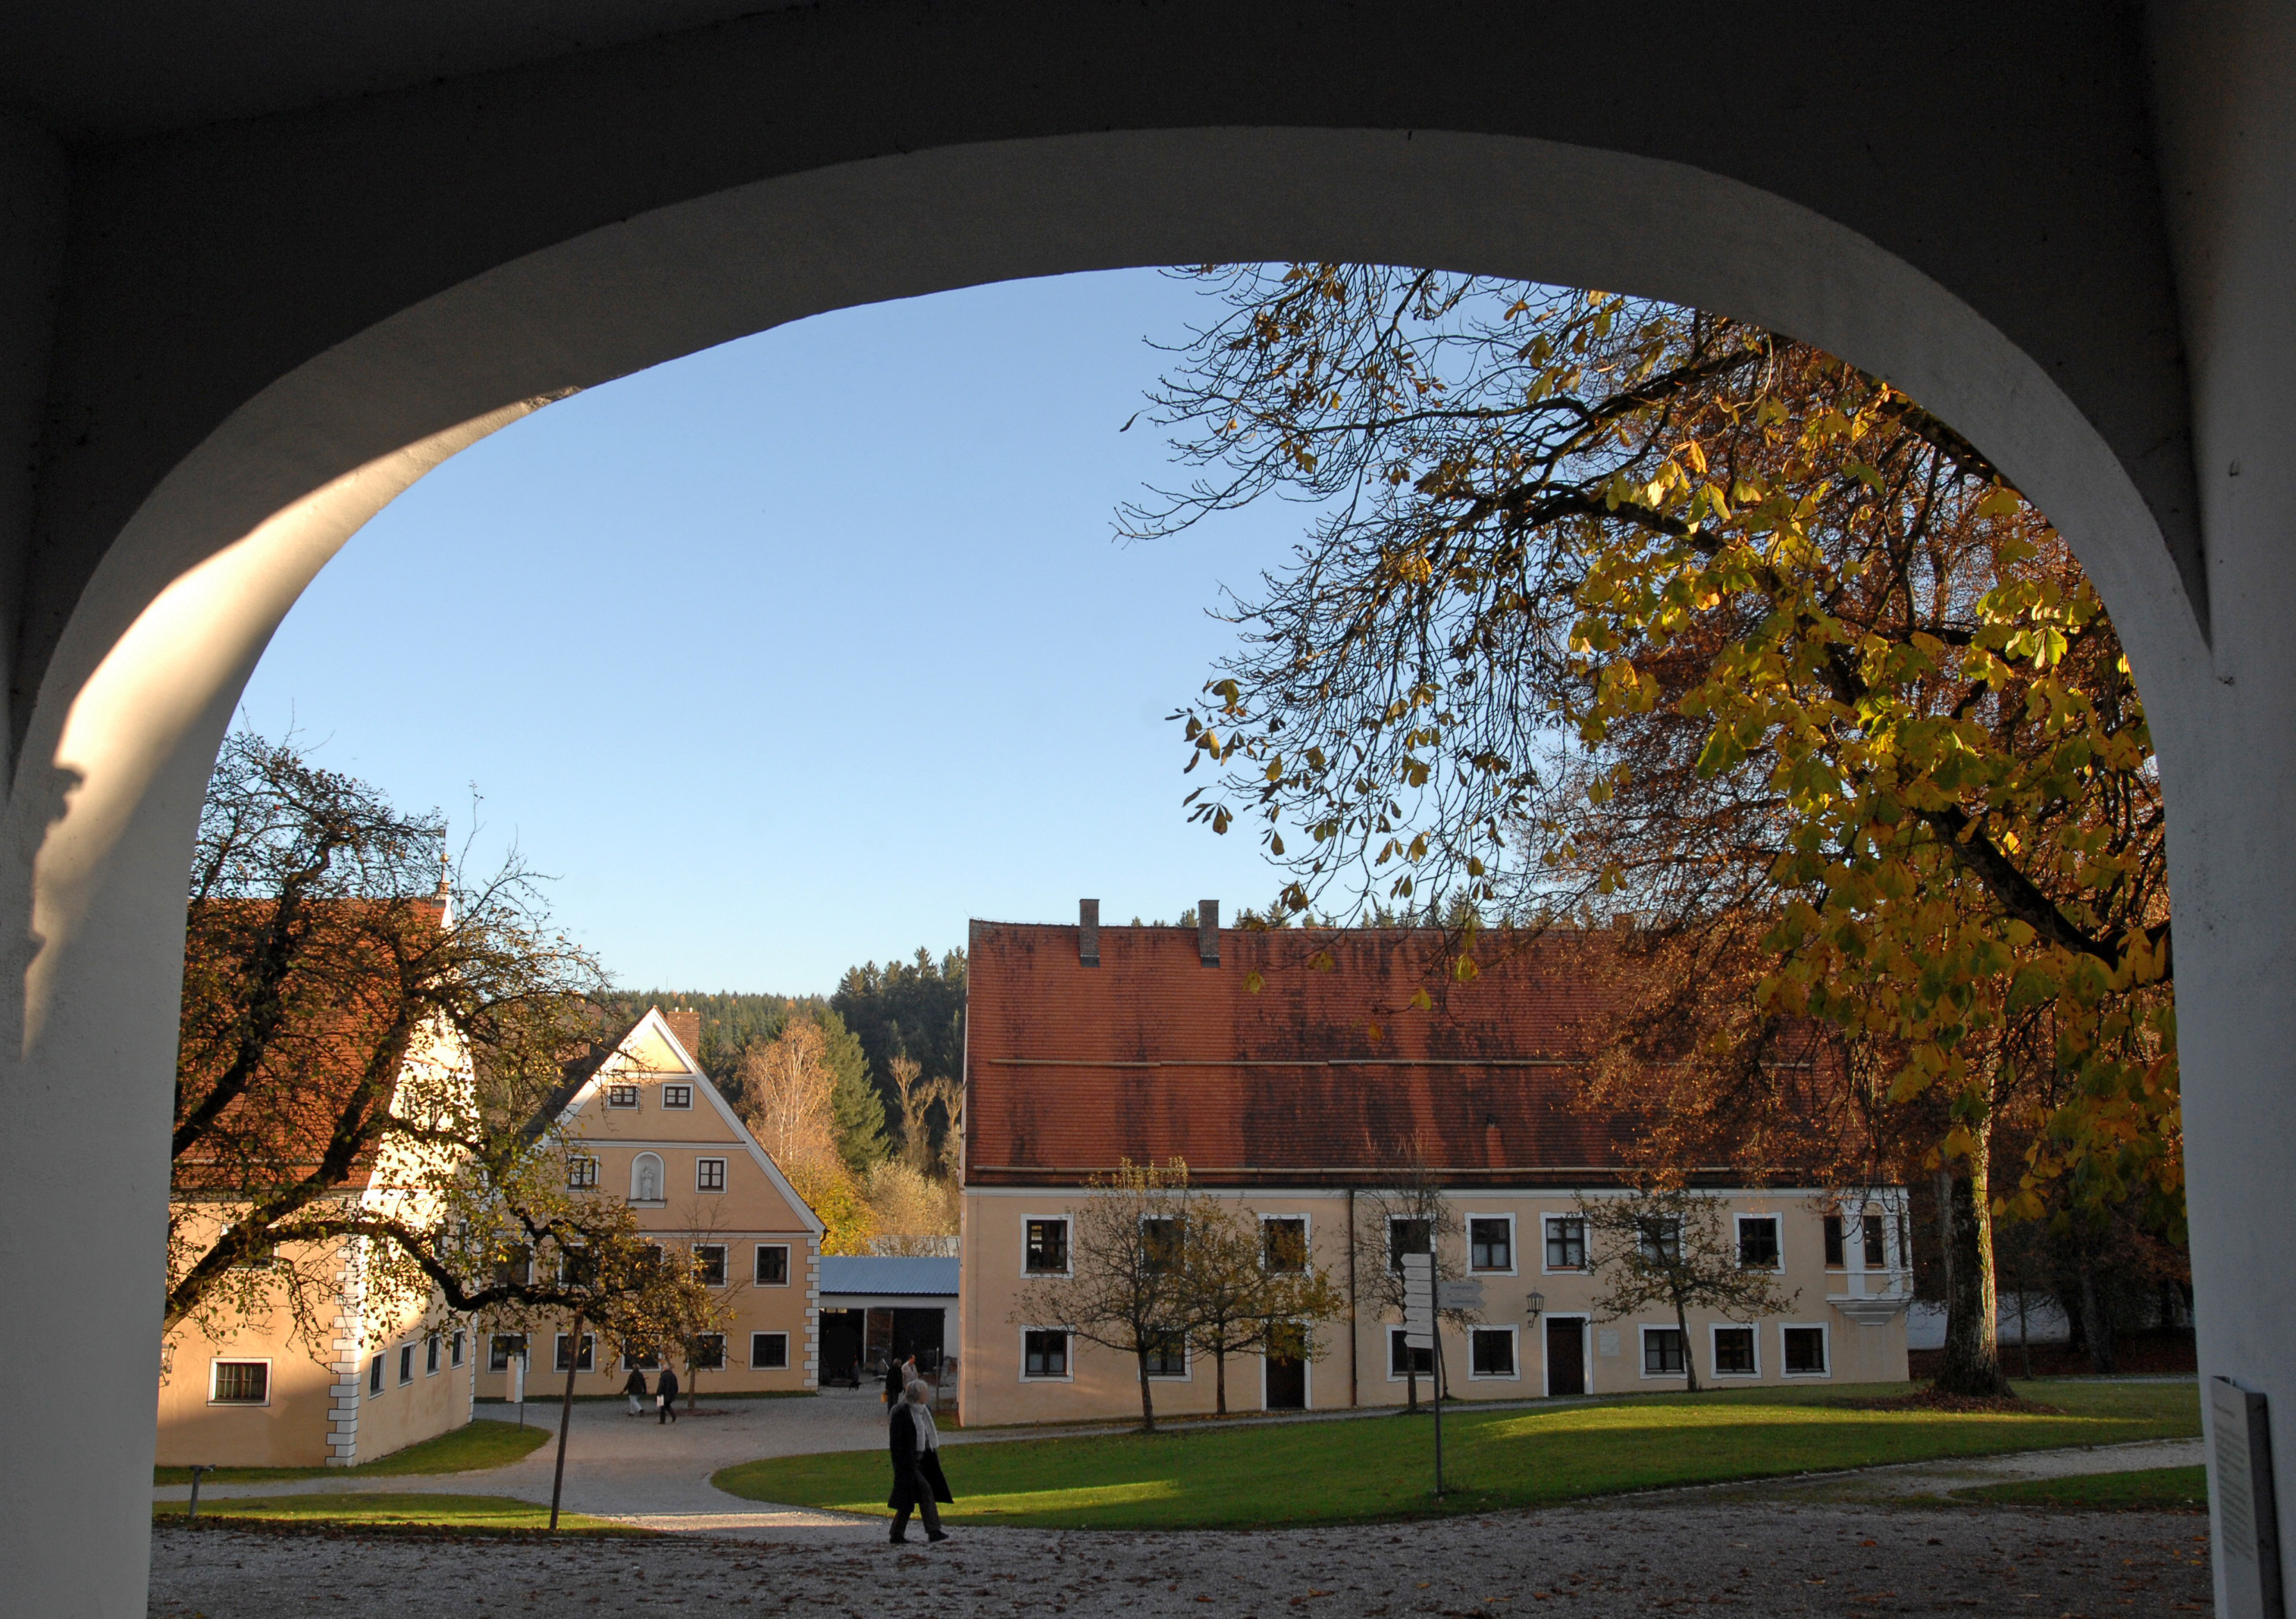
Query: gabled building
column 656, row 1133
column 1088, row 1046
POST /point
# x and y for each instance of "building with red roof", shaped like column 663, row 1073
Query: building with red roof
column 1296, row 1072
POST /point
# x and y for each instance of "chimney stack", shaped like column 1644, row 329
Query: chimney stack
column 1088, row 932
column 1208, row 931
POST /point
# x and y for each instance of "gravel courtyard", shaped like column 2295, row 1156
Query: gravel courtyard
column 1613, row 1560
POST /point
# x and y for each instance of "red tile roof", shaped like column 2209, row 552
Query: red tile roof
column 1152, row 1054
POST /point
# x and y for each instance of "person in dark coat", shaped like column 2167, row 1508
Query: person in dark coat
column 636, row 1388
column 665, row 1395
column 894, row 1383
column 917, row 1479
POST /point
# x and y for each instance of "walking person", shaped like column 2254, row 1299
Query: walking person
column 895, row 1380
column 666, row 1397
column 636, row 1388
column 917, row 1480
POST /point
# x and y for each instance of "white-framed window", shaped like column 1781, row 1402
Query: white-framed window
column 374, row 1376
column 1407, row 1236
column 1877, row 1250
column 1283, row 1243
column 1402, row 1360
column 771, row 1264
column 1490, row 1354
column 708, row 1351
column 621, row 1096
column 239, row 1382
column 710, row 1175
column 1662, row 1351
column 645, row 1178
column 677, row 1096
column 1759, row 1244
column 514, row 1268
column 503, row 1348
column 1566, row 1242
column 1736, row 1352
column 588, row 1359
column 1163, row 1243
column 1490, row 1245
column 1807, row 1352
column 581, row 1174
column 405, row 1364
column 709, row 1263
column 1660, row 1239
column 641, row 1359
column 769, row 1351
column 1045, row 1244
column 1834, row 1258
column 430, row 1348
column 454, row 1347
column 1168, row 1355
column 1044, row 1355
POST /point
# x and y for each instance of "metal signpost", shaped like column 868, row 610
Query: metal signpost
column 1419, row 1333
column 518, row 1384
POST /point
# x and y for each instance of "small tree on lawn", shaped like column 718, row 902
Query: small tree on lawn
column 1253, row 1288
column 1127, row 1285
column 1411, row 1216
column 1672, row 1246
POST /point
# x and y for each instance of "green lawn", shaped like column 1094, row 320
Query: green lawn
column 470, row 1449
column 467, row 1513
column 2148, row 1489
column 1381, row 1467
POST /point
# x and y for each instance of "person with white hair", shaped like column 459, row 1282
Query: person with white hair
column 917, row 1479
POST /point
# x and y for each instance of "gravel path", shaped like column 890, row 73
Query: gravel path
column 1766, row 1557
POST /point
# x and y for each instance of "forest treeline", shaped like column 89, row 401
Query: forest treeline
column 858, row 1095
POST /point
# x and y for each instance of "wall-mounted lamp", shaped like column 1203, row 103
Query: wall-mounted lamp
column 1535, row 1300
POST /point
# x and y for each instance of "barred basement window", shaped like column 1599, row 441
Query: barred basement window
column 773, row 1264
column 241, row 1382
column 1734, row 1351
column 677, row 1096
column 769, row 1351
column 710, row 1175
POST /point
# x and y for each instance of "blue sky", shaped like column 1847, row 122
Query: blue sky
column 801, row 652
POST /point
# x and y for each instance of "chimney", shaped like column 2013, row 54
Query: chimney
column 1208, row 931
column 1088, row 932
column 685, row 1023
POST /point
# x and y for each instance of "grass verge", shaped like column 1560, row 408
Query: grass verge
column 471, row 1448
column 1382, row 1467
column 2146, row 1490
column 462, row 1514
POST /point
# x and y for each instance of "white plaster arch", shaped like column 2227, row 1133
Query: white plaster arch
column 140, row 690
column 646, row 1181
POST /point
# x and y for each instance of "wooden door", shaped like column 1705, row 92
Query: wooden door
column 1566, row 1355
column 1286, row 1372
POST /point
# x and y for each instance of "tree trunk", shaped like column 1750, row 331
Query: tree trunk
column 1973, row 1348
column 1411, row 1379
column 1219, row 1382
column 1147, row 1404
column 1689, row 1360
column 2096, row 1321
column 565, row 1420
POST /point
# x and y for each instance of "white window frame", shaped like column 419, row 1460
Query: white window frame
column 1586, row 1349
column 1825, row 1341
column 699, row 1338
column 662, row 1181
column 677, row 1106
column 1514, row 1353
column 1642, row 1352
column 1187, row 1372
column 375, row 1385
column 1515, row 1251
column 1737, row 1231
column 431, row 1359
column 1713, row 1331
column 614, row 1101
column 1584, row 1244
column 757, row 1264
column 556, row 1338
column 1307, row 1240
column 725, row 1261
column 1391, row 1258
column 1021, row 1365
column 525, row 1346
column 1394, row 1376
column 582, row 1173
column 757, row 1365
column 264, row 1361
column 455, row 1346
column 701, row 1176
column 1068, row 1249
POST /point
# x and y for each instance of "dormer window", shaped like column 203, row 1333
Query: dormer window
column 621, row 1096
column 677, row 1096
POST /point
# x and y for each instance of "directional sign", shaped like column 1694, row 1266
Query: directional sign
column 1419, row 1300
column 1463, row 1293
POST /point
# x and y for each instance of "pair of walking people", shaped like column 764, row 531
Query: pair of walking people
column 918, row 1483
column 665, row 1394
